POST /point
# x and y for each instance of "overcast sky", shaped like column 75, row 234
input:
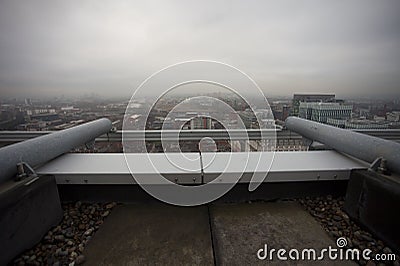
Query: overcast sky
column 350, row 48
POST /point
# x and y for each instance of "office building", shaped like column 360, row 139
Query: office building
column 298, row 98
column 320, row 112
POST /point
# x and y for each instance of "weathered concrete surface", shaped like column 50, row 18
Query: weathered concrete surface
column 160, row 234
column 240, row 230
column 152, row 234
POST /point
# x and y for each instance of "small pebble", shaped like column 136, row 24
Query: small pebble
column 59, row 237
column 329, row 212
column 65, row 243
column 88, row 232
column 80, row 260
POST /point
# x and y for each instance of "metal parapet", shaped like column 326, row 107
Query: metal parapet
column 37, row 151
column 361, row 146
column 27, row 211
column 30, row 206
column 372, row 200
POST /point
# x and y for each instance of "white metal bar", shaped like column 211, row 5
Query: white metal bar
column 108, row 168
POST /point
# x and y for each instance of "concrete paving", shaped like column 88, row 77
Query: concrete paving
column 153, row 234
column 240, row 230
column 221, row 234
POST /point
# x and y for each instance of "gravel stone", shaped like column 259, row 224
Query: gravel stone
column 80, row 260
column 329, row 212
column 65, row 243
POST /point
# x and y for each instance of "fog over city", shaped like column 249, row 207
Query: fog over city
column 107, row 48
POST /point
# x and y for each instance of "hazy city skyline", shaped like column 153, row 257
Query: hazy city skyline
column 52, row 48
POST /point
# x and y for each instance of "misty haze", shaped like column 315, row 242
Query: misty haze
column 107, row 48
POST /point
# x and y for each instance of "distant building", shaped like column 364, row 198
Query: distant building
column 336, row 122
column 248, row 118
column 321, row 112
column 285, row 112
column 359, row 123
column 67, row 108
column 200, row 123
column 298, row 98
column 280, row 111
column 366, row 124
column 45, row 117
column 363, row 112
column 40, row 111
column 393, row 116
column 28, row 101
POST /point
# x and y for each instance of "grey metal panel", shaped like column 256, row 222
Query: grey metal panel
column 287, row 166
column 114, row 163
column 276, row 177
column 283, row 161
column 111, row 168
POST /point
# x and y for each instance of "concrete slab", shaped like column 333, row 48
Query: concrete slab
column 240, row 230
column 161, row 234
column 152, row 234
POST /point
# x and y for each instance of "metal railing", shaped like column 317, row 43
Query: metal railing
column 38, row 148
column 7, row 137
column 367, row 148
column 19, row 157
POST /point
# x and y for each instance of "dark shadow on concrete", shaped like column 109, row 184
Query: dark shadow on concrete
column 152, row 234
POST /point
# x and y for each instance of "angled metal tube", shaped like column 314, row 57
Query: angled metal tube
column 361, row 146
column 39, row 150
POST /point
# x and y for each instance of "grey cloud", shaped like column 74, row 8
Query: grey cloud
column 110, row 47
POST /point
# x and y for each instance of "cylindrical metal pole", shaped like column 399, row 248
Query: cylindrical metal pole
column 39, row 150
column 364, row 147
